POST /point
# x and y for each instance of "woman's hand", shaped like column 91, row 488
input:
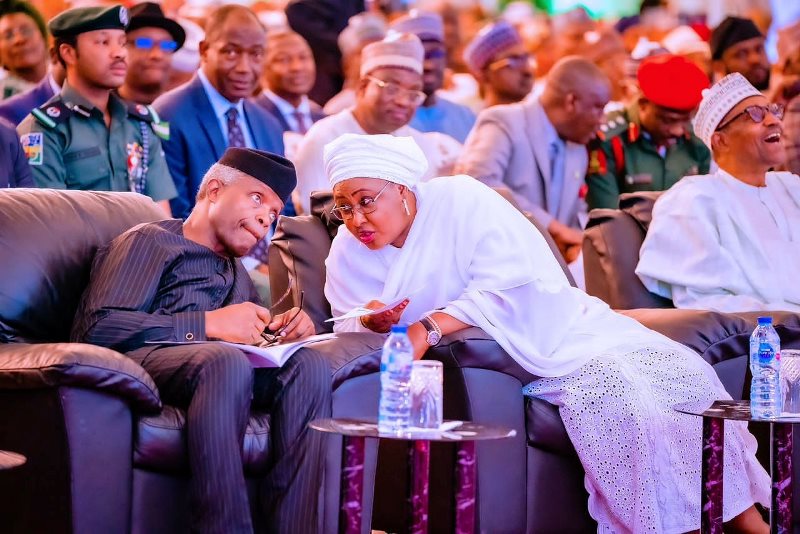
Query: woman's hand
column 382, row 322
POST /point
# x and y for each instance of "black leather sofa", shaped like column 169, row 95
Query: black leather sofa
column 532, row 483
column 105, row 455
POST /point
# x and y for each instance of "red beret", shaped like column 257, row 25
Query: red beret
column 672, row 82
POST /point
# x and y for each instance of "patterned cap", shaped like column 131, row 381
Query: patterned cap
column 490, row 41
column 361, row 29
column 722, row 97
column 86, row 19
column 400, row 50
column 427, row 26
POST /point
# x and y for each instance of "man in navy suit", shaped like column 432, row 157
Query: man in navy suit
column 289, row 74
column 19, row 106
column 212, row 112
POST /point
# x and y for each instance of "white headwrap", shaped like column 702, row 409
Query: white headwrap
column 385, row 157
column 717, row 101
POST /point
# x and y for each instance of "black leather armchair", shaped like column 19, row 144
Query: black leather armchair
column 104, row 454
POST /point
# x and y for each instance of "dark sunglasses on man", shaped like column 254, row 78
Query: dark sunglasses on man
column 147, row 43
column 757, row 114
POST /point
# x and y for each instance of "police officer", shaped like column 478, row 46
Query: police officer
column 87, row 137
column 650, row 146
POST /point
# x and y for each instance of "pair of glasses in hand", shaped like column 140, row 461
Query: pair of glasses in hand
column 272, row 338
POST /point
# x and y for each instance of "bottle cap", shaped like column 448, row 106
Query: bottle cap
column 402, row 329
column 765, row 320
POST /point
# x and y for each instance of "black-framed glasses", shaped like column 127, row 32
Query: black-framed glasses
column 393, row 90
column 273, row 338
column 757, row 114
column 147, row 43
column 364, row 206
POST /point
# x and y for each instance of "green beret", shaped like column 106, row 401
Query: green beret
column 86, row 19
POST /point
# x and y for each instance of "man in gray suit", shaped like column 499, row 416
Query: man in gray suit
column 537, row 148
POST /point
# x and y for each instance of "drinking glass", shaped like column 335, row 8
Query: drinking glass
column 426, row 394
column 790, row 378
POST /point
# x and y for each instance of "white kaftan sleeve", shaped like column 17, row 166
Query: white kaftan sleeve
column 683, row 259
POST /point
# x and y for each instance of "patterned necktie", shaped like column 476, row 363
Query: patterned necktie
column 302, row 127
column 235, row 134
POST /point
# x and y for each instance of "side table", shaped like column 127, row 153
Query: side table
column 714, row 416
column 465, row 435
column 10, row 460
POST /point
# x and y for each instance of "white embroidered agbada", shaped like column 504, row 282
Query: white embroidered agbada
column 717, row 243
column 471, row 255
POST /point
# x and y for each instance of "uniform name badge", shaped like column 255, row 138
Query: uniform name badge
column 33, row 146
column 639, row 179
column 135, row 154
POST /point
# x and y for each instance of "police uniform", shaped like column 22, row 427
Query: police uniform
column 625, row 159
column 68, row 144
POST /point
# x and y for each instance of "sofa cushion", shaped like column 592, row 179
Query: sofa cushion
column 48, row 239
column 160, row 442
column 545, row 428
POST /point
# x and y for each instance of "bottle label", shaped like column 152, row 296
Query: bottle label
column 766, row 354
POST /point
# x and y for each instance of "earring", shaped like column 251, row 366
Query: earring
column 405, row 207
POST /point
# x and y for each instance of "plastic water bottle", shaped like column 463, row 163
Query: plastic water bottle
column 765, row 365
column 394, row 410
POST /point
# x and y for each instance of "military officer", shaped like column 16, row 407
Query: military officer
column 87, row 137
column 650, row 145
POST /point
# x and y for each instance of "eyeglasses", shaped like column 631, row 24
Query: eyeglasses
column 147, row 43
column 393, row 90
column 757, row 114
column 270, row 337
column 365, row 206
column 25, row 31
column 520, row 61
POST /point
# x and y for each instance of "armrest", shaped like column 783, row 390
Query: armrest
column 715, row 336
column 41, row 365
column 474, row 348
column 351, row 354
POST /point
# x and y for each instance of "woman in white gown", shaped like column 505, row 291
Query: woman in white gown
column 462, row 256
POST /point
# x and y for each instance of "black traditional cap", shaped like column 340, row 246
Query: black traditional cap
column 149, row 15
column 730, row 31
column 275, row 171
column 86, row 19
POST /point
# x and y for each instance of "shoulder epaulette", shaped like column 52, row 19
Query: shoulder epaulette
column 615, row 124
column 52, row 113
column 143, row 113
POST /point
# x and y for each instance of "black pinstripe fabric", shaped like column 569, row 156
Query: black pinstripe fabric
column 152, row 284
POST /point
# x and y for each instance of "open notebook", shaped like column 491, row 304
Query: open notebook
column 272, row 356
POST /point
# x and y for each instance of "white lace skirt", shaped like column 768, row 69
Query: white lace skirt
column 642, row 458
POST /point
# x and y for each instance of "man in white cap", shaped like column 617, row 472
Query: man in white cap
column 388, row 94
column 436, row 114
column 499, row 61
column 728, row 241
